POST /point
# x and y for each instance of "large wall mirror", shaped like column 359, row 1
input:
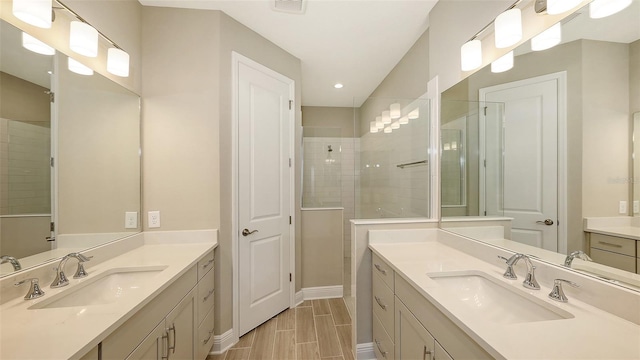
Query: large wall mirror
column 548, row 143
column 69, row 156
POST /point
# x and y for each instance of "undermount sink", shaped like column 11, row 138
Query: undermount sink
column 104, row 288
column 495, row 301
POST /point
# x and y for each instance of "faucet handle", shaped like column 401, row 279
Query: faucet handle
column 530, row 281
column 61, row 279
column 509, row 273
column 80, row 271
column 557, row 293
column 34, row 290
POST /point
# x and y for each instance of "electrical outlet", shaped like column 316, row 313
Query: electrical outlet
column 636, row 206
column 131, row 220
column 154, row 219
column 622, row 209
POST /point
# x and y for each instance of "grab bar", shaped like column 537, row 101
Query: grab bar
column 401, row 166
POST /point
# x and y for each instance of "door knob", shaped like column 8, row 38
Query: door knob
column 246, row 232
column 547, row 222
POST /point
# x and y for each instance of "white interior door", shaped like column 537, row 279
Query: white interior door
column 529, row 155
column 264, row 123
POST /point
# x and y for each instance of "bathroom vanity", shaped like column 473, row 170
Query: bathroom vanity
column 155, row 300
column 440, row 296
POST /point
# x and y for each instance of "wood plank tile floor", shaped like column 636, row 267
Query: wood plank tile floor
column 315, row 329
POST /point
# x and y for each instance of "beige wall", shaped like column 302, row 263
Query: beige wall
column 322, row 263
column 634, row 76
column 342, row 118
column 24, row 236
column 187, row 128
column 24, row 101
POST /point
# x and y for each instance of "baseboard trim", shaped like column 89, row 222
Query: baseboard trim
column 299, row 298
column 322, row 292
column 224, row 342
column 365, row 351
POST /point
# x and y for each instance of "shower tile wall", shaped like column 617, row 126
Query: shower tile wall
column 24, row 168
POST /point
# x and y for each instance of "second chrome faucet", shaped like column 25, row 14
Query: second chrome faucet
column 61, row 279
column 530, row 281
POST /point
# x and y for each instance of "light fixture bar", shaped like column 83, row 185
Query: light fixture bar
column 65, row 7
column 491, row 23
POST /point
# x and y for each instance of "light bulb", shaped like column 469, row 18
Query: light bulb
column 547, row 39
column 32, row 44
column 387, row 130
column 404, row 120
column 83, row 39
column 508, row 28
column 555, row 7
column 118, row 62
column 503, row 63
column 471, row 55
column 394, row 111
column 78, row 68
column 379, row 123
column 395, row 125
column 414, row 114
column 35, row 12
column 386, row 117
column 603, row 8
column 373, row 128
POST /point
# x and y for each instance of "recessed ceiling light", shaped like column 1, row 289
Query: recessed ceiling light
column 338, row 86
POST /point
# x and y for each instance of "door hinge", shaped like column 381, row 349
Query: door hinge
column 485, row 111
column 289, row 220
column 51, row 162
column 485, row 162
column 290, row 162
column 52, row 96
column 290, row 104
column 485, row 213
column 52, row 226
column 290, row 277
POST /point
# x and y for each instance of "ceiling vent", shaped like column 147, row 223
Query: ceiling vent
column 288, row 6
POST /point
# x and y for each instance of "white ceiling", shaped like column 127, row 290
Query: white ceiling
column 354, row 42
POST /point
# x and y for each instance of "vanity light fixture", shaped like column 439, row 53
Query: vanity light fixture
column 603, row 8
column 35, row 12
column 379, row 123
column 373, row 128
column 471, row 55
column 387, row 130
column 83, row 39
column 508, row 28
column 414, row 114
column 404, row 120
column 503, row 63
column 78, row 68
column 118, row 62
column 394, row 111
column 338, row 86
column 386, row 117
column 555, row 7
column 32, row 44
column 547, row 39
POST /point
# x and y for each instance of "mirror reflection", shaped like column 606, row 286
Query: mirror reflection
column 555, row 163
column 70, row 171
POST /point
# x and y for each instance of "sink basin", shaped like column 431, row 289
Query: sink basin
column 496, row 301
column 104, row 288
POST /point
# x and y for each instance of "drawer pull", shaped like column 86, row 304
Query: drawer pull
column 383, row 306
column 384, row 353
column 383, row 271
column 205, row 341
column 207, row 297
column 609, row 244
column 165, row 345
column 207, row 264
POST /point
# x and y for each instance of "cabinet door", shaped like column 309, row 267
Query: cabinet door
column 441, row 353
column 152, row 347
column 180, row 326
column 413, row 341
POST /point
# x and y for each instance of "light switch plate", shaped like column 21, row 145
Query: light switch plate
column 154, row 219
column 131, row 220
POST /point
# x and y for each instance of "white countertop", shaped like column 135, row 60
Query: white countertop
column 590, row 334
column 629, row 232
column 68, row 333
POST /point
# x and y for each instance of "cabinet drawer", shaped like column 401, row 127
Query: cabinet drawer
column 205, row 295
column 383, row 304
column 381, row 268
column 614, row 244
column 615, row 260
column 205, row 337
column 205, row 264
column 382, row 343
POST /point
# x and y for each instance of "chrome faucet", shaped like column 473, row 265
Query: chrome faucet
column 576, row 254
column 61, row 279
column 530, row 279
column 10, row 259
